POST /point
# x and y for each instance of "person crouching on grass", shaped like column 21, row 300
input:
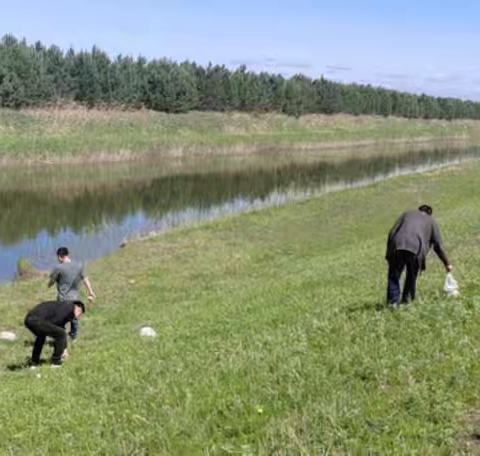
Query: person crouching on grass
column 48, row 319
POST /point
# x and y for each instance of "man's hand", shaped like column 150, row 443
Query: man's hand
column 449, row 268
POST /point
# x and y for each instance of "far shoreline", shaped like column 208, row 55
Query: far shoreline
column 80, row 136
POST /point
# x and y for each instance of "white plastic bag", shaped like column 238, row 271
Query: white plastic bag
column 8, row 335
column 451, row 286
column 147, row 331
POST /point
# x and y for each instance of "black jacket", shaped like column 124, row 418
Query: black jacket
column 416, row 231
column 56, row 312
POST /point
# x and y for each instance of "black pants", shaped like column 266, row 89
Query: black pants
column 42, row 329
column 400, row 261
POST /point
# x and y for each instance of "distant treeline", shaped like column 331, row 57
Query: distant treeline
column 34, row 75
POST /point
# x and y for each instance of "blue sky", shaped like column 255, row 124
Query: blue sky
column 423, row 45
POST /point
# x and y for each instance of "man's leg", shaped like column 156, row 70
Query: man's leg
column 35, row 326
column 42, row 329
column 37, row 350
column 60, row 342
column 410, row 287
column 395, row 269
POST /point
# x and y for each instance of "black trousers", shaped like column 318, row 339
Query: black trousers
column 42, row 329
column 400, row 261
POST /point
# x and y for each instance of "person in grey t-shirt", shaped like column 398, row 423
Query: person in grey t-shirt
column 68, row 276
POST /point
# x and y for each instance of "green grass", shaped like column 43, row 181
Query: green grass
column 82, row 135
column 272, row 338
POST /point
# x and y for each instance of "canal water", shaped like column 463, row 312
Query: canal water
column 92, row 210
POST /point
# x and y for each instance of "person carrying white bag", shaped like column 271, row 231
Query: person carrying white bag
column 408, row 244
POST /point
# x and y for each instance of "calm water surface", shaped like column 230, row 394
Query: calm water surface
column 92, row 210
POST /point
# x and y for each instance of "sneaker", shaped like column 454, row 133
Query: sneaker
column 54, row 366
column 33, row 366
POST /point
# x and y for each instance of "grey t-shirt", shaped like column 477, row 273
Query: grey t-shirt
column 68, row 277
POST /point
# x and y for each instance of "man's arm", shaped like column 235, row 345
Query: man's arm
column 88, row 285
column 437, row 243
column 53, row 278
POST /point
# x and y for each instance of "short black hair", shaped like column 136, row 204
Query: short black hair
column 62, row 252
column 80, row 304
column 426, row 208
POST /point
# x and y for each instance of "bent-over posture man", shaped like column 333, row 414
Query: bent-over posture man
column 407, row 247
column 48, row 319
column 68, row 276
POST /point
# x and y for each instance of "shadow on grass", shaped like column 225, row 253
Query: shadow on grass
column 367, row 307
column 22, row 366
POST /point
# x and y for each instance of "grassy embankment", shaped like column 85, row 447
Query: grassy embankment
column 77, row 135
column 272, row 338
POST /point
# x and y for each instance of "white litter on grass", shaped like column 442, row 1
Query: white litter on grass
column 451, row 286
column 147, row 331
column 8, row 335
